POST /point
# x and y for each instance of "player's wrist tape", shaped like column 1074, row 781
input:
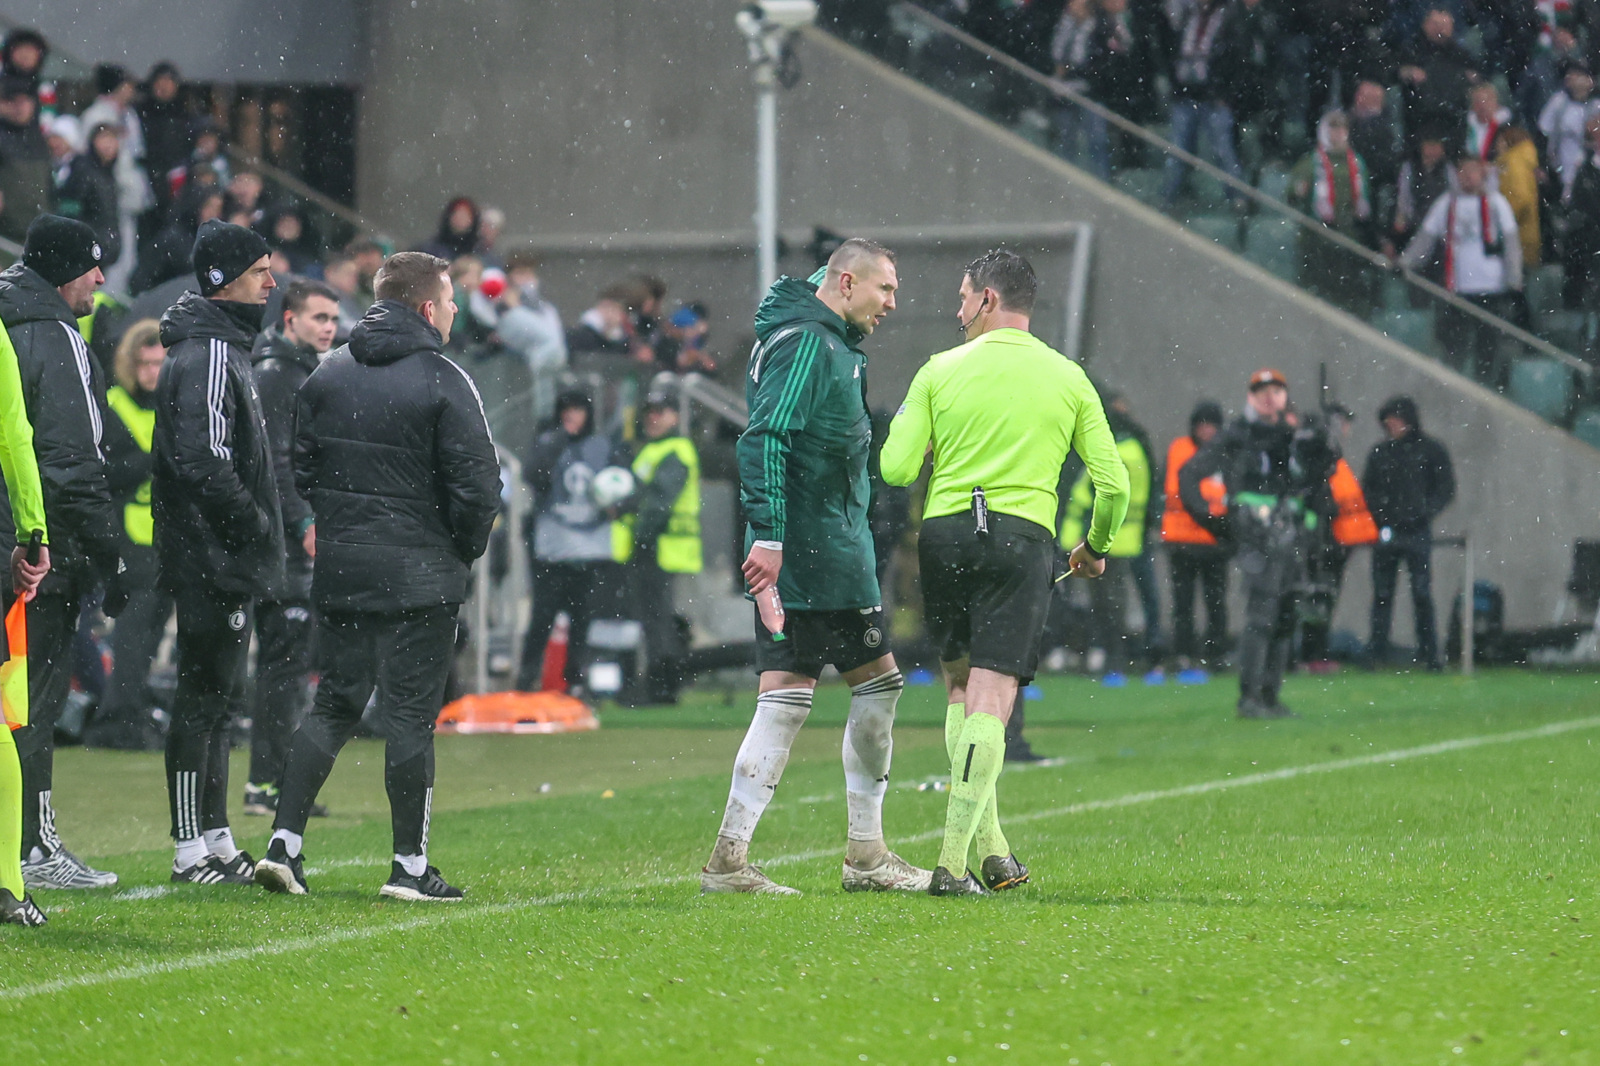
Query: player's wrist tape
column 769, row 545
column 1092, row 553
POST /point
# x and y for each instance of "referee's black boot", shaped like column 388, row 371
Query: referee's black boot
column 1000, row 872
column 945, row 883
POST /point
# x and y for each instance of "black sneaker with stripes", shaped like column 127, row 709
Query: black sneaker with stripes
column 239, row 870
column 24, row 911
column 429, row 887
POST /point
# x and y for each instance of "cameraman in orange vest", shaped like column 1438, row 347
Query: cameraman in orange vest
column 1347, row 524
column 1196, row 556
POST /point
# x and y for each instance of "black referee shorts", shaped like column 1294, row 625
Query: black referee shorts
column 846, row 639
column 986, row 596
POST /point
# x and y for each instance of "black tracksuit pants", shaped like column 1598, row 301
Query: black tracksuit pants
column 1206, row 566
column 283, row 664
column 213, row 644
column 405, row 656
column 52, row 622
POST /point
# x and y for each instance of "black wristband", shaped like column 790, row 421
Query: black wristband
column 1092, row 553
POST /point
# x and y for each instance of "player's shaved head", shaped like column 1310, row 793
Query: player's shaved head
column 857, row 256
column 860, row 283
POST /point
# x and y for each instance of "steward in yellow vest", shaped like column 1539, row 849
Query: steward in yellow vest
column 662, row 538
column 123, row 719
column 1128, row 558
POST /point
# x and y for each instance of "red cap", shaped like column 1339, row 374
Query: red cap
column 1267, row 376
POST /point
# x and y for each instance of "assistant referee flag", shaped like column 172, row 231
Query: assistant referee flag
column 1001, row 412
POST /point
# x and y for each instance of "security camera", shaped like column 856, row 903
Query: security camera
column 788, row 14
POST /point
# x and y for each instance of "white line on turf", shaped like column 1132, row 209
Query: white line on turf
column 345, row 936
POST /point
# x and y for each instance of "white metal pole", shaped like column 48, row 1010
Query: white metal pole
column 766, row 176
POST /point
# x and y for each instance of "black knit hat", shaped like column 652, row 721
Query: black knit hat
column 61, row 249
column 1402, row 407
column 223, row 252
column 1206, row 412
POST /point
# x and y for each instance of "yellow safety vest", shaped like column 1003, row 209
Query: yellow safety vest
column 141, row 423
column 678, row 548
column 86, row 323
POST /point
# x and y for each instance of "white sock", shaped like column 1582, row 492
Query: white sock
column 36, row 855
column 189, row 852
column 765, row 752
column 219, row 842
column 291, row 842
column 868, row 747
column 415, row 865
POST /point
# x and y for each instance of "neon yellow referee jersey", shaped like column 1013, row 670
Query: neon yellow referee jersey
column 1001, row 412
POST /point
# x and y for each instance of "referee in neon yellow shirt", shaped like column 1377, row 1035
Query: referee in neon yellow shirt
column 999, row 415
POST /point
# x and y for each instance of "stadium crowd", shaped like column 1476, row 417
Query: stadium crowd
column 1459, row 137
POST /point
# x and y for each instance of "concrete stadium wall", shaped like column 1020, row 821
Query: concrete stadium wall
column 605, row 129
column 288, row 41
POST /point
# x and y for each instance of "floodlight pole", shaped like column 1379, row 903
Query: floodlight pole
column 766, row 174
column 769, row 27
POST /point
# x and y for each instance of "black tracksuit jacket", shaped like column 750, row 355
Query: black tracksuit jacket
column 65, row 398
column 281, row 367
column 393, row 451
column 218, row 523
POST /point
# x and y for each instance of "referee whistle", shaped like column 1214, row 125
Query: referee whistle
column 980, row 509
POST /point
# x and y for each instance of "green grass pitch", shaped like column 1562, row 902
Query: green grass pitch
column 1407, row 874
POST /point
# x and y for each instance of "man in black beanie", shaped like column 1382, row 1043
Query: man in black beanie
column 41, row 298
column 218, row 531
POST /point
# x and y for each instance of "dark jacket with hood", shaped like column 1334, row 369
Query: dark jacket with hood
column 393, row 450
column 281, row 366
column 803, row 459
column 568, row 526
column 65, row 399
column 171, row 251
column 89, row 194
column 1409, row 481
column 213, row 495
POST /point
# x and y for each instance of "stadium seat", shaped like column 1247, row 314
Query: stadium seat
column 1586, row 427
column 1543, row 386
column 1414, row 329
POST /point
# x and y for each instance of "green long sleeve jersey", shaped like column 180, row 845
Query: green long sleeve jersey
column 803, row 459
column 17, row 461
column 1001, row 412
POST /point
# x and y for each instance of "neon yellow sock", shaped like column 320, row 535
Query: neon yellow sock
column 10, row 815
column 955, row 720
column 990, row 839
column 979, row 756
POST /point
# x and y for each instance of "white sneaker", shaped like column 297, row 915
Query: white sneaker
column 62, row 869
column 893, row 874
column 746, row 879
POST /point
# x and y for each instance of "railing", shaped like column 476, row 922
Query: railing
column 1408, row 306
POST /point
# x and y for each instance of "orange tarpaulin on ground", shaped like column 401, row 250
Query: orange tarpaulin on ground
column 517, row 712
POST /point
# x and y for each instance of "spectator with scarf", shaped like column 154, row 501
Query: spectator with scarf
column 1331, row 184
column 1482, row 265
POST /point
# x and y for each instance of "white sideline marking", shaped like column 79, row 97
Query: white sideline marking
column 345, row 936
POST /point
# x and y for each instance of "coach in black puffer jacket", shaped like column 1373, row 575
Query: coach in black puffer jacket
column 392, row 450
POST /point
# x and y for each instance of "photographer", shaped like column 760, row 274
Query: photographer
column 1269, row 468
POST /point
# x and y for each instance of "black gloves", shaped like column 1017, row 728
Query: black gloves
column 116, row 597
